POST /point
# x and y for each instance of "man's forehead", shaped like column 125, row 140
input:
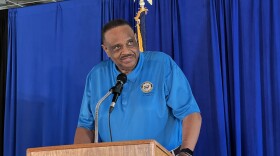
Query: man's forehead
column 115, row 35
column 120, row 30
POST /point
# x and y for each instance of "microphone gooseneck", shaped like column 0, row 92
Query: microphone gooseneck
column 116, row 90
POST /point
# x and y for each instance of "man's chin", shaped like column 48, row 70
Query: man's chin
column 128, row 68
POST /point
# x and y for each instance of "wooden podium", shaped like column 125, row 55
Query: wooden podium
column 126, row 148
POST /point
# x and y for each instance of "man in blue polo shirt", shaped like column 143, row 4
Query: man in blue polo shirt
column 156, row 101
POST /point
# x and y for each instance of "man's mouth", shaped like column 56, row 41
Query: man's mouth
column 127, row 58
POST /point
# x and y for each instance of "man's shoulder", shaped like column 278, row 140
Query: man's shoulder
column 100, row 67
column 156, row 55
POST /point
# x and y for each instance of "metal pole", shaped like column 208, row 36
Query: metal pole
column 96, row 115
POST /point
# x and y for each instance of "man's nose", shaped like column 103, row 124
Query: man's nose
column 126, row 50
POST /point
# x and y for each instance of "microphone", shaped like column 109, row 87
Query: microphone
column 117, row 89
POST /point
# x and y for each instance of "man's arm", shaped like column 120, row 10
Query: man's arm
column 191, row 130
column 83, row 136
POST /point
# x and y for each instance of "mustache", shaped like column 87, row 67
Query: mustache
column 125, row 56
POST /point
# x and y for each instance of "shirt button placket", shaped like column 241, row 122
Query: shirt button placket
column 124, row 95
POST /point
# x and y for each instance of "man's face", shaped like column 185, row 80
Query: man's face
column 121, row 46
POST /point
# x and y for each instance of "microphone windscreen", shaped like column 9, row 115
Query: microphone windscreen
column 122, row 77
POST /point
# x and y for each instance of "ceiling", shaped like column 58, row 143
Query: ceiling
column 7, row 4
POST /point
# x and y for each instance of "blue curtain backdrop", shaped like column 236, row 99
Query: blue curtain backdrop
column 51, row 49
column 229, row 51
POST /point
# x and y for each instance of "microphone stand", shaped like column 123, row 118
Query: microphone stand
column 96, row 115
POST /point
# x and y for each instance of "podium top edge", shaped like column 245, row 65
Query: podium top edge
column 90, row 145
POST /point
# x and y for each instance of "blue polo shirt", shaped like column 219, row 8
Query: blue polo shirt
column 154, row 101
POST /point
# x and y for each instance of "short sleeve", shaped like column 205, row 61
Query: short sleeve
column 86, row 119
column 178, row 93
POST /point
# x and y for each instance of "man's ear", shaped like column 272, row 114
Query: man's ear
column 106, row 50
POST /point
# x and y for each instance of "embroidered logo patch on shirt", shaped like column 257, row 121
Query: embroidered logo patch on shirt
column 147, row 87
